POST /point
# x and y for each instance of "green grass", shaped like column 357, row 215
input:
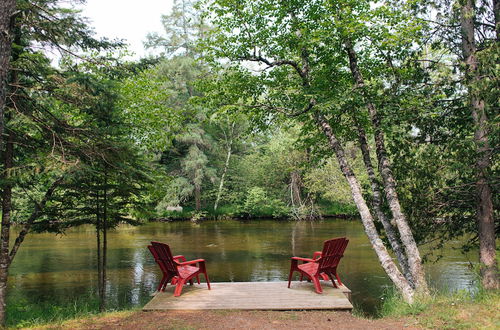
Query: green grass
column 23, row 314
column 395, row 306
column 454, row 310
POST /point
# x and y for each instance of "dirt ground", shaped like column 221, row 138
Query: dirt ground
column 238, row 320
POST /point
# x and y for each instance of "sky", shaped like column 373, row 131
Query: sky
column 127, row 19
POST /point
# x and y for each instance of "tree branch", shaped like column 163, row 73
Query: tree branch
column 259, row 58
column 37, row 212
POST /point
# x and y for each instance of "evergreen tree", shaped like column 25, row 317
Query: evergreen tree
column 41, row 123
column 183, row 28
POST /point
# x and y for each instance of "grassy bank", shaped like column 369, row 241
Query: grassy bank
column 20, row 313
column 452, row 311
column 24, row 314
column 458, row 310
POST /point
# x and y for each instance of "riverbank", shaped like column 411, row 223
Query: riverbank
column 235, row 212
column 456, row 311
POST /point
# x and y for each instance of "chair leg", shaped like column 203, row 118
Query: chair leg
column 163, row 285
column 168, row 278
column 324, row 277
column 290, row 277
column 338, row 279
column 198, row 278
column 206, row 278
column 333, row 281
column 317, row 285
column 162, row 282
column 191, row 282
column 178, row 287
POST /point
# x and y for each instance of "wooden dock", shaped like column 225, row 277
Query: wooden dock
column 252, row 296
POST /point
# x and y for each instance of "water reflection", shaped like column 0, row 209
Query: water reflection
column 50, row 268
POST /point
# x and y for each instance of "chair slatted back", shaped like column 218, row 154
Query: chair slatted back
column 157, row 259
column 333, row 251
column 165, row 256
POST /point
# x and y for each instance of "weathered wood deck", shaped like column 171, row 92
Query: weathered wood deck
column 252, row 296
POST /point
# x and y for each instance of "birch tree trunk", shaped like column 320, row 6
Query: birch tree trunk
column 383, row 255
column 496, row 13
column 295, row 189
column 484, row 212
column 410, row 246
column 377, row 207
column 221, row 184
column 229, row 143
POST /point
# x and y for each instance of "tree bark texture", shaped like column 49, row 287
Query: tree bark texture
column 7, row 36
column 377, row 207
column 496, row 13
column 412, row 252
column 5, row 231
column 7, row 8
column 484, row 210
column 383, row 255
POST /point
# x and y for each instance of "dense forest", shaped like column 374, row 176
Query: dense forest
column 385, row 111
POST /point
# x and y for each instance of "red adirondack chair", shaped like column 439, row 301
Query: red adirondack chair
column 176, row 269
column 165, row 278
column 323, row 264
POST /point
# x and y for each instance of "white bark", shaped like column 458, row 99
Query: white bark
column 229, row 144
column 410, row 246
column 383, row 255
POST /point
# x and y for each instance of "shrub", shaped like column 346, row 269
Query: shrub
column 257, row 203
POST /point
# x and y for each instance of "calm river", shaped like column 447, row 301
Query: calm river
column 51, row 268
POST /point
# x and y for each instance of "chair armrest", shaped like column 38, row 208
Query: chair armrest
column 317, row 255
column 303, row 259
column 190, row 262
column 182, row 258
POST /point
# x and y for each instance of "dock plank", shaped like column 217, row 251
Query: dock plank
column 252, row 296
